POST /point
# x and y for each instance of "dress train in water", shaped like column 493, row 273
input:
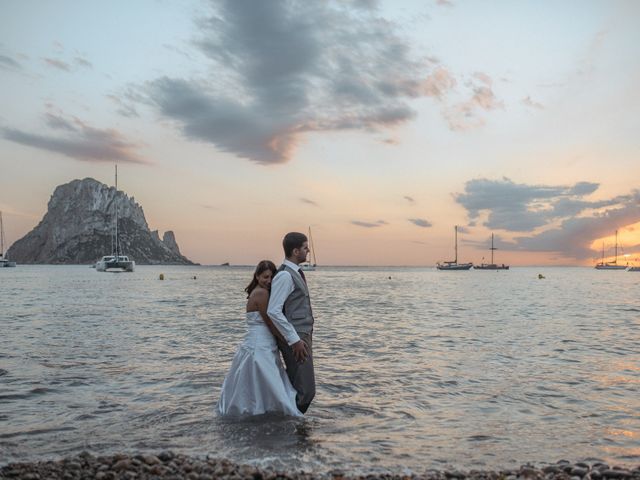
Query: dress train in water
column 257, row 382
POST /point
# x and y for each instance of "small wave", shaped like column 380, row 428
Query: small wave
column 25, row 396
column 41, row 391
column 84, row 416
column 480, row 438
column 38, row 431
column 3, row 372
column 62, row 365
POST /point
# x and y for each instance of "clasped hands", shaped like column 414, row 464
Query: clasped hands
column 300, row 351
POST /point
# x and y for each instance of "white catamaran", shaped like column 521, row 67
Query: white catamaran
column 4, row 262
column 117, row 261
column 453, row 264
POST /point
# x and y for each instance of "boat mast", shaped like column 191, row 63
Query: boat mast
column 616, row 259
column 116, row 202
column 456, row 248
column 1, row 237
column 313, row 248
column 492, row 249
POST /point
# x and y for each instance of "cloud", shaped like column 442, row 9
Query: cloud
column 484, row 78
column 179, row 51
column 465, row 115
column 420, row 222
column 567, row 224
column 8, row 63
column 520, row 207
column 358, row 223
column 82, row 142
column 78, row 62
column 498, row 242
column 59, row 64
column 59, row 123
column 588, row 63
column 126, row 103
column 283, row 69
column 584, row 188
column 309, row 202
column 439, row 83
column 83, row 62
column 530, row 103
column 574, row 236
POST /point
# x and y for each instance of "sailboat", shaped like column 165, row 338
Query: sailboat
column 602, row 265
column 4, row 262
column 454, row 265
column 310, row 266
column 491, row 266
column 116, row 262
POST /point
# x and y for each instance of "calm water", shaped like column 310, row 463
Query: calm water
column 425, row 369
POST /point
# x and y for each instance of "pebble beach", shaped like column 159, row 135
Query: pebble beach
column 169, row 465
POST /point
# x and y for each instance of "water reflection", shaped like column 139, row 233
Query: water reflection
column 423, row 370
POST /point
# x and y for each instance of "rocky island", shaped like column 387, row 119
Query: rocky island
column 79, row 224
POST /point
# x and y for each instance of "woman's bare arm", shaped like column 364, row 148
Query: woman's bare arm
column 260, row 299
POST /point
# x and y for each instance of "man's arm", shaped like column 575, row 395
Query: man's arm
column 261, row 299
column 281, row 288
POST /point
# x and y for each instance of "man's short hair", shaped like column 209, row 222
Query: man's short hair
column 291, row 241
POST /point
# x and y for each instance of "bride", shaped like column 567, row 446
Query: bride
column 257, row 382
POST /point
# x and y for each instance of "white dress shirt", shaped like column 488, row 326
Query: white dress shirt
column 281, row 287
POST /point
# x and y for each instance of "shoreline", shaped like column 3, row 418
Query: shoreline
column 169, row 465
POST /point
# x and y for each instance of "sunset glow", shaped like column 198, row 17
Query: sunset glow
column 379, row 124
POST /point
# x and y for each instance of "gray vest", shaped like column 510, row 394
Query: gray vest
column 297, row 306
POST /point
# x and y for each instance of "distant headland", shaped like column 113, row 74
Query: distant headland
column 78, row 229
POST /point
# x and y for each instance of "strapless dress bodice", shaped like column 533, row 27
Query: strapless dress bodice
column 254, row 318
column 258, row 334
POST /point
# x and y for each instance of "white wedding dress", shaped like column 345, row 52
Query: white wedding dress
column 257, row 382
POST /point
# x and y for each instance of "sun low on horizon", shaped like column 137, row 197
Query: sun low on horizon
column 379, row 125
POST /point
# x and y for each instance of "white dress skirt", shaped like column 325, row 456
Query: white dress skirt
column 257, row 382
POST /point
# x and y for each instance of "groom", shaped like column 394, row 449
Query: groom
column 290, row 310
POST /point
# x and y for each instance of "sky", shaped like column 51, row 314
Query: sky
column 380, row 125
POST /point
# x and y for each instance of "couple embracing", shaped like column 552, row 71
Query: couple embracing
column 279, row 319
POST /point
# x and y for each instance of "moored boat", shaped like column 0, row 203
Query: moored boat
column 310, row 265
column 602, row 265
column 453, row 264
column 491, row 266
column 117, row 261
column 113, row 263
column 4, row 262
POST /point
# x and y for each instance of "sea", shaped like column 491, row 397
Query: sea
column 416, row 368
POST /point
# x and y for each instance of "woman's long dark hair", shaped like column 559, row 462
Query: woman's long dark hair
column 262, row 266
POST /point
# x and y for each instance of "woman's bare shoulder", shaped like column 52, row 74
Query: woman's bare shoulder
column 259, row 293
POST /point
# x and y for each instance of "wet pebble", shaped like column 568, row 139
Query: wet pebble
column 151, row 459
column 616, row 473
column 168, row 465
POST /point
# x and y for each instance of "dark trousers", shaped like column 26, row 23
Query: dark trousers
column 302, row 375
